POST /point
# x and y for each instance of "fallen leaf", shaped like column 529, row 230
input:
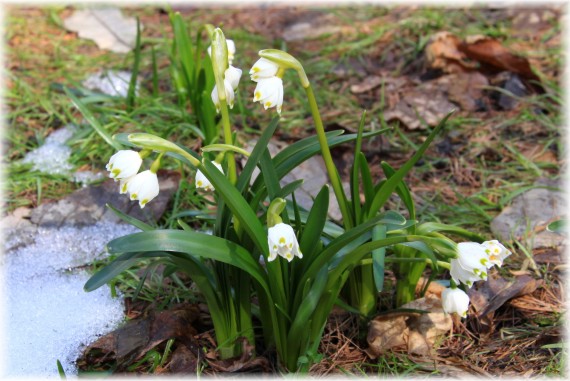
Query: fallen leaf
column 369, row 83
column 106, row 26
column 131, row 341
column 442, row 53
column 487, row 297
column 426, row 102
column 386, row 332
column 467, row 89
column 491, row 52
column 415, row 331
column 183, row 361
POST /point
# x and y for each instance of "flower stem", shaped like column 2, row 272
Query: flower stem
column 327, row 157
column 232, row 174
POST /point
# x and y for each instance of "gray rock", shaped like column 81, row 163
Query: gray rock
column 528, row 215
column 87, row 206
column 17, row 229
column 106, row 26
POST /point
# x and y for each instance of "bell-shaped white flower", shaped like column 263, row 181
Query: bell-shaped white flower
column 124, row 164
column 202, row 181
column 496, row 252
column 455, row 300
column 143, row 187
column 269, row 92
column 233, row 75
column 282, row 241
column 231, row 50
column 471, row 264
column 229, row 95
column 263, row 69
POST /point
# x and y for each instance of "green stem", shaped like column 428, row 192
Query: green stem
column 327, row 157
column 232, row 174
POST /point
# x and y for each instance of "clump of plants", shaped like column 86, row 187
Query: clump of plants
column 295, row 263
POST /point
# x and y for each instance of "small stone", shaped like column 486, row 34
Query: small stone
column 530, row 213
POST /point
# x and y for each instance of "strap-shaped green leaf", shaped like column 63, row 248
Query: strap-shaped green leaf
column 242, row 211
column 255, row 156
column 131, row 220
column 388, row 187
column 315, row 224
column 94, row 122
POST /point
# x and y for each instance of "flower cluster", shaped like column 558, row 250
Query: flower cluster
column 269, row 89
column 124, row 166
column 471, row 265
column 474, row 259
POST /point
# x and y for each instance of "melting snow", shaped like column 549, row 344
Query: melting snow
column 48, row 316
column 53, row 157
column 114, row 83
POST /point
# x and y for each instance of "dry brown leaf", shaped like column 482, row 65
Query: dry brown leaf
column 491, row 52
column 139, row 336
column 426, row 101
column 442, row 53
column 467, row 89
column 369, row 83
column 415, row 331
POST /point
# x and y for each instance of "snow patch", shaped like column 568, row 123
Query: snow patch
column 114, row 83
column 48, row 316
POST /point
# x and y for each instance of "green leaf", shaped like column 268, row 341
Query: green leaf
column 314, row 224
column 239, row 207
column 402, row 190
column 388, row 187
column 559, row 226
column 131, row 220
column 378, row 233
column 431, row 227
column 255, row 156
column 131, row 92
column 120, row 264
column 89, row 117
column 190, row 243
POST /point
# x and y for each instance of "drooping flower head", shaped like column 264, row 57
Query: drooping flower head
column 143, row 187
column 124, row 164
column 269, row 89
column 202, row 181
column 282, row 241
column 229, row 95
column 263, row 69
column 269, row 92
column 496, row 252
column 471, row 264
column 455, row 300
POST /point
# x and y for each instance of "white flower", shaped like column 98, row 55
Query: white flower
column 202, row 181
column 143, row 187
column 124, row 184
column 269, row 92
column 231, row 50
column 124, row 164
column 229, row 95
column 282, row 241
column 471, row 264
column 263, row 69
column 496, row 252
column 233, row 75
column 455, row 300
